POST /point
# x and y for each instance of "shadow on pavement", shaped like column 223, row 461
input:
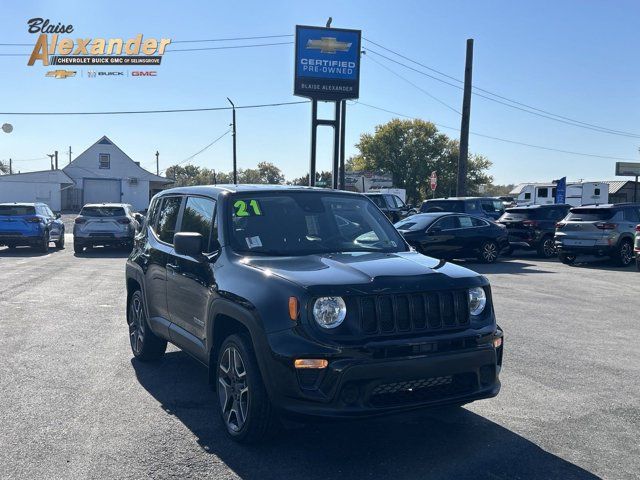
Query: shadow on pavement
column 442, row 444
column 511, row 267
column 103, row 252
column 25, row 252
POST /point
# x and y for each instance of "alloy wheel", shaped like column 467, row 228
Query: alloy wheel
column 136, row 325
column 626, row 254
column 233, row 390
column 549, row 248
column 489, row 252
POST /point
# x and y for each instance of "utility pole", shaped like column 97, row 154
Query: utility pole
column 10, row 167
column 157, row 163
column 233, row 134
column 51, row 155
column 463, row 159
column 56, row 157
column 69, row 153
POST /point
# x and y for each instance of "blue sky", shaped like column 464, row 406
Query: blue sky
column 574, row 58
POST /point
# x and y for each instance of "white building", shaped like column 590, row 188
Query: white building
column 102, row 173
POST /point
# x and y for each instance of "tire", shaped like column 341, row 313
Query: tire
column 489, row 252
column 77, row 248
column 43, row 246
column 145, row 345
column 567, row 258
column 60, row 242
column 547, row 248
column 624, row 254
column 637, row 262
column 245, row 409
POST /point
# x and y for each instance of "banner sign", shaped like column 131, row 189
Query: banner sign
column 627, row 169
column 561, row 190
column 327, row 63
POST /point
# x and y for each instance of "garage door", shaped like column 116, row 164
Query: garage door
column 101, row 191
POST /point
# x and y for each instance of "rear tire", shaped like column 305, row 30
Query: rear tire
column 624, row 254
column 547, row 248
column 638, row 262
column 566, row 258
column 145, row 345
column 488, row 252
column 245, row 408
column 60, row 242
column 43, row 246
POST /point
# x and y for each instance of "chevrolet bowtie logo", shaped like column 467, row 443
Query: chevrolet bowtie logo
column 60, row 73
column 328, row 45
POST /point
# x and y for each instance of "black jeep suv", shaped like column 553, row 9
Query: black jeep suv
column 306, row 303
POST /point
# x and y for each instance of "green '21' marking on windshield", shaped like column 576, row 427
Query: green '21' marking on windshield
column 243, row 211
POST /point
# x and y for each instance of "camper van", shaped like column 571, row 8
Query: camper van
column 578, row 193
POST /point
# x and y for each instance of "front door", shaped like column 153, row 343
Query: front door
column 190, row 281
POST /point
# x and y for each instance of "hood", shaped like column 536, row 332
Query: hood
column 367, row 272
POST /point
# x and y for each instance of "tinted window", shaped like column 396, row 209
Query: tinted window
column 478, row 223
column 378, row 200
column 631, row 215
column 416, row 222
column 590, row 214
column 519, row 214
column 198, row 217
column 543, row 192
column 398, row 200
column 456, row 206
column 301, row 223
column 167, row 218
column 447, row 223
column 11, row 210
column 527, row 196
column 103, row 212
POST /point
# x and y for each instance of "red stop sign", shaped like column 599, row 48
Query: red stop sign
column 433, row 180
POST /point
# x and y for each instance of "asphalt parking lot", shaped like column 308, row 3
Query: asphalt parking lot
column 74, row 403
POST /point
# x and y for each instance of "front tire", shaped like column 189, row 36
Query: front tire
column 246, row 411
column 624, row 254
column 145, row 345
column 77, row 248
column 488, row 252
column 566, row 258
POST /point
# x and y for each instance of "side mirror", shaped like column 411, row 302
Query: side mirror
column 188, row 244
column 139, row 217
column 57, row 215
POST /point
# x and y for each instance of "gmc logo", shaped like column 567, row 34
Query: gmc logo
column 150, row 73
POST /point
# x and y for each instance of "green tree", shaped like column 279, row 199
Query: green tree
column 4, row 168
column 410, row 150
column 186, row 175
column 323, row 177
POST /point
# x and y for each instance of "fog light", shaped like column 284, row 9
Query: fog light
column 497, row 342
column 311, row 363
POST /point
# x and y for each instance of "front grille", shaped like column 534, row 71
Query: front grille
column 391, row 314
column 422, row 390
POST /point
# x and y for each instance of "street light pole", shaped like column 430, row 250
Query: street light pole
column 233, row 134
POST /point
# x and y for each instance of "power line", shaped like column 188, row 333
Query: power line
column 541, row 147
column 536, row 111
column 414, row 85
column 199, row 151
column 174, row 110
column 27, row 159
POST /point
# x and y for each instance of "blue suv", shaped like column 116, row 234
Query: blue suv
column 32, row 224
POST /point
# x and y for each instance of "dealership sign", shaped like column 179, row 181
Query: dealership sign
column 327, row 63
column 627, row 169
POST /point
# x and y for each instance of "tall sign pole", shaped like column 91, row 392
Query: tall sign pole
column 463, row 159
column 327, row 68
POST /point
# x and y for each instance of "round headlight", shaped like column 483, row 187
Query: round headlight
column 477, row 300
column 329, row 312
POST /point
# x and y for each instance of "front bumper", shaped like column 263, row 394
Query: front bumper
column 412, row 374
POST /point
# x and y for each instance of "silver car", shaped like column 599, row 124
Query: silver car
column 107, row 224
column 598, row 230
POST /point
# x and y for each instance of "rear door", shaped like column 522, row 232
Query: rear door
column 162, row 226
column 472, row 233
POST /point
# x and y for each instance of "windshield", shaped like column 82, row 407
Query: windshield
column 14, row 210
column 103, row 212
column 590, row 214
column 416, row 222
column 303, row 223
column 443, row 206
